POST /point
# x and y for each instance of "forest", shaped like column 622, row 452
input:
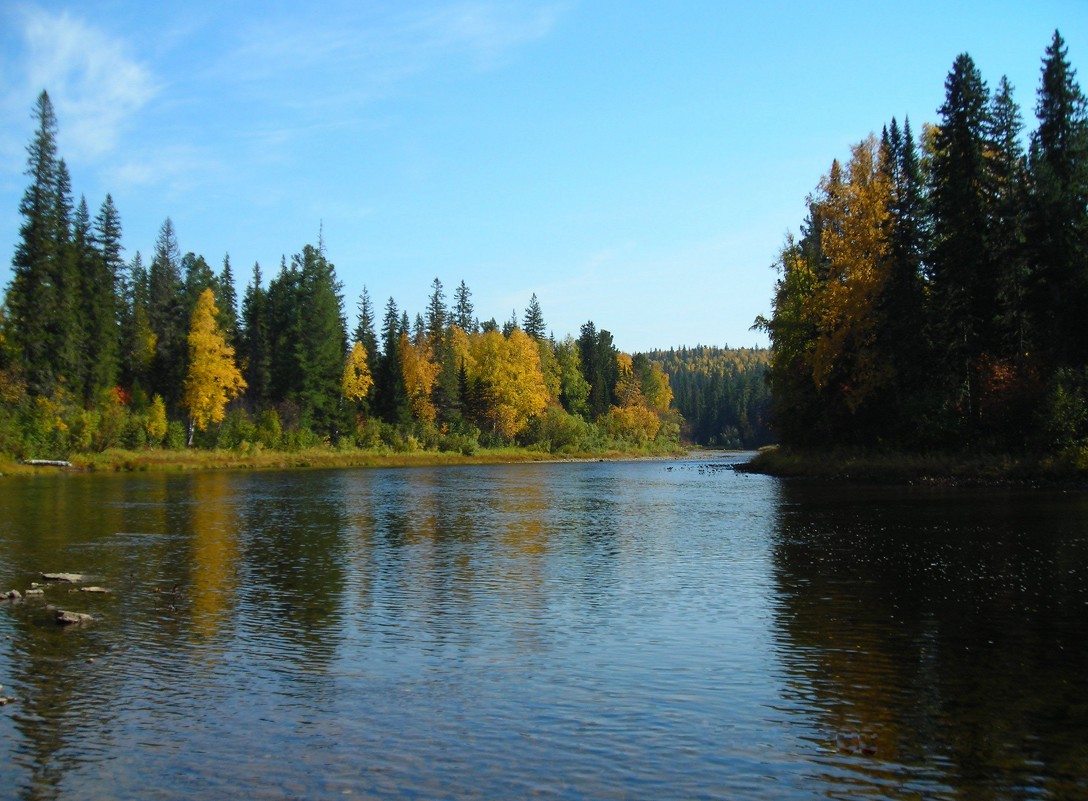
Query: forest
column 722, row 394
column 97, row 353
column 933, row 297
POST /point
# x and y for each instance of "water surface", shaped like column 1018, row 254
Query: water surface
column 602, row 630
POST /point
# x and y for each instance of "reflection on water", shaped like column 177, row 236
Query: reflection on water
column 947, row 632
column 646, row 630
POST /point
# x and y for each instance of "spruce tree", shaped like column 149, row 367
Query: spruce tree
column 533, row 323
column 226, row 300
column 254, row 353
column 962, row 268
column 31, row 295
column 463, row 312
column 102, row 291
column 1058, row 225
column 166, row 308
column 323, row 346
column 437, row 315
column 390, row 397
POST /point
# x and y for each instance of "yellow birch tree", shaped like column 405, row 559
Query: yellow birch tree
column 213, row 377
column 357, row 381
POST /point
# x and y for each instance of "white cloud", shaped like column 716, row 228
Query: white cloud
column 95, row 85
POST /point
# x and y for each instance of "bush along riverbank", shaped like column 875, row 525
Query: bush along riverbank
column 1067, row 469
column 118, row 460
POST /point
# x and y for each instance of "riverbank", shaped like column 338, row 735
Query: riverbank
column 165, row 460
column 936, row 469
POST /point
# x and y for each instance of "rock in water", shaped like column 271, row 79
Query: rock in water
column 72, row 578
column 13, row 595
column 93, row 589
column 73, row 618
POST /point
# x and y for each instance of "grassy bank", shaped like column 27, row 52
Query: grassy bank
column 168, row 460
column 934, row 468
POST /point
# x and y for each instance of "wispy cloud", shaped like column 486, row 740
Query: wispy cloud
column 350, row 58
column 94, row 82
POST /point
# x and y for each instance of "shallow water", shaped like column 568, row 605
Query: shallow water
column 601, row 630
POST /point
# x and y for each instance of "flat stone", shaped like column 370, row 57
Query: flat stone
column 72, row 578
column 34, row 591
column 93, row 589
column 73, row 618
column 13, row 595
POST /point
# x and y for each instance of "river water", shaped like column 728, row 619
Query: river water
column 646, row 630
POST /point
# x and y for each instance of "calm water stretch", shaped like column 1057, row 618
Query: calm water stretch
column 650, row 630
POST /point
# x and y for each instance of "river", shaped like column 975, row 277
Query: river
column 618, row 630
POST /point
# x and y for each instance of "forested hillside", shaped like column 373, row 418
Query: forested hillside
column 97, row 352
column 935, row 296
column 721, row 393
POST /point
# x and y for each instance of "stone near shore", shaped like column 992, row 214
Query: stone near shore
column 13, row 595
column 71, row 578
column 93, row 589
column 65, row 618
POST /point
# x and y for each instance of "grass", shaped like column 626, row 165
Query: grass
column 899, row 467
column 164, row 460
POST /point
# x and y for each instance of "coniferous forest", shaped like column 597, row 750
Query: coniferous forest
column 98, row 352
column 934, row 298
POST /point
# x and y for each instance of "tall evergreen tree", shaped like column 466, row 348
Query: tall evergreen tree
column 533, row 322
column 1058, row 226
column 962, row 268
column 323, row 346
column 391, row 399
column 31, row 296
column 254, row 335
column 226, row 299
column 166, row 314
column 437, row 315
column 366, row 335
column 1008, row 170
column 463, row 312
column 65, row 328
column 137, row 336
column 102, row 296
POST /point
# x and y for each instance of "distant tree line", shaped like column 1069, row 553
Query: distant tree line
column 935, row 295
column 722, row 394
column 97, row 352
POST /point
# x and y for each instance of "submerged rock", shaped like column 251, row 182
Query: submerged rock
column 35, row 591
column 13, row 595
column 71, row 578
column 65, row 618
column 93, row 589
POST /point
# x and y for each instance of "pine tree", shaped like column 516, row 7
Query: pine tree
column 65, row 328
column 323, row 346
column 437, row 315
column 138, row 340
column 1058, row 225
column 104, row 313
column 254, row 342
column 463, row 312
column 962, row 268
column 533, row 323
column 31, row 296
column 166, row 315
column 391, row 400
column 226, row 298
column 285, row 325
column 1008, row 235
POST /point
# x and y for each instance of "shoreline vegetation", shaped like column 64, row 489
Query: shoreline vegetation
column 119, row 460
column 1068, row 470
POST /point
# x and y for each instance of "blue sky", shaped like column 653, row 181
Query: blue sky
column 633, row 163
